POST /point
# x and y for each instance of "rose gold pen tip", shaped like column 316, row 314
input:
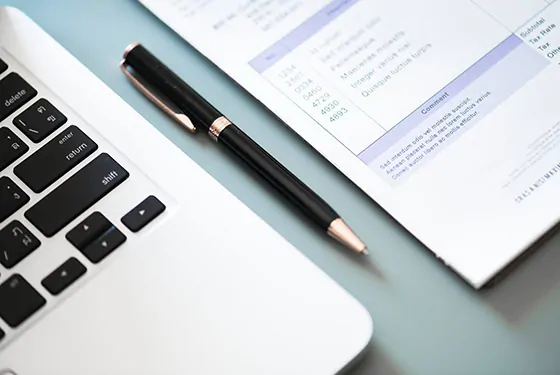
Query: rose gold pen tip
column 340, row 231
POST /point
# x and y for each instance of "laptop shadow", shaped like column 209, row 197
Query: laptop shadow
column 372, row 361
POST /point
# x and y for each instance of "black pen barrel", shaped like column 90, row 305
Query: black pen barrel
column 201, row 113
column 294, row 190
column 169, row 92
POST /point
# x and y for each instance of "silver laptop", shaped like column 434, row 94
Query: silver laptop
column 119, row 255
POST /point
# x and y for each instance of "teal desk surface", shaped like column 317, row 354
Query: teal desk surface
column 427, row 320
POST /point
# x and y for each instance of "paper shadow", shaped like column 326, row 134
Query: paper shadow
column 519, row 289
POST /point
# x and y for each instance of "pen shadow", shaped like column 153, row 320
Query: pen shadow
column 517, row 291
column 365, row 262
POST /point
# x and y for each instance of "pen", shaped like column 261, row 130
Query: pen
column 171, row 94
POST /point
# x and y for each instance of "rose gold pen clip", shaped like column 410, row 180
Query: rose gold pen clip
column 157, row 98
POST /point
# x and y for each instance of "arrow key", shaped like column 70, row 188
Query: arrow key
column 64, row 276
column 143, row 214
column 104, row 245
column 88, row 230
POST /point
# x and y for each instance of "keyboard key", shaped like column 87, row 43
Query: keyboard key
column 18, row 301
column 104, row 245
column 12, row 198
column 16, row 243
column 143, row 214
column 3, row 66
column 40, row 120
column 56, row 158
column 11, row 148
column 77, row 194
column 14, row 93
column 88, row 230
column 64, row 276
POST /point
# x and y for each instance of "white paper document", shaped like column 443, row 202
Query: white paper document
column 445, row 112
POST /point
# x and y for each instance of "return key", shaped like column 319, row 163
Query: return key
column 55, row 159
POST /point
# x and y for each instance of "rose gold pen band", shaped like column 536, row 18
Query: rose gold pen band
column 218, row 127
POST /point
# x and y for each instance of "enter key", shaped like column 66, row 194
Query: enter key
column 56, row 158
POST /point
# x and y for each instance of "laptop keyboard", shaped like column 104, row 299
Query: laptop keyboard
column 12, row 148
column 28, row 222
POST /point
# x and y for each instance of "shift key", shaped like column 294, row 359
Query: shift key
column 81, row 191
column 53, row 160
